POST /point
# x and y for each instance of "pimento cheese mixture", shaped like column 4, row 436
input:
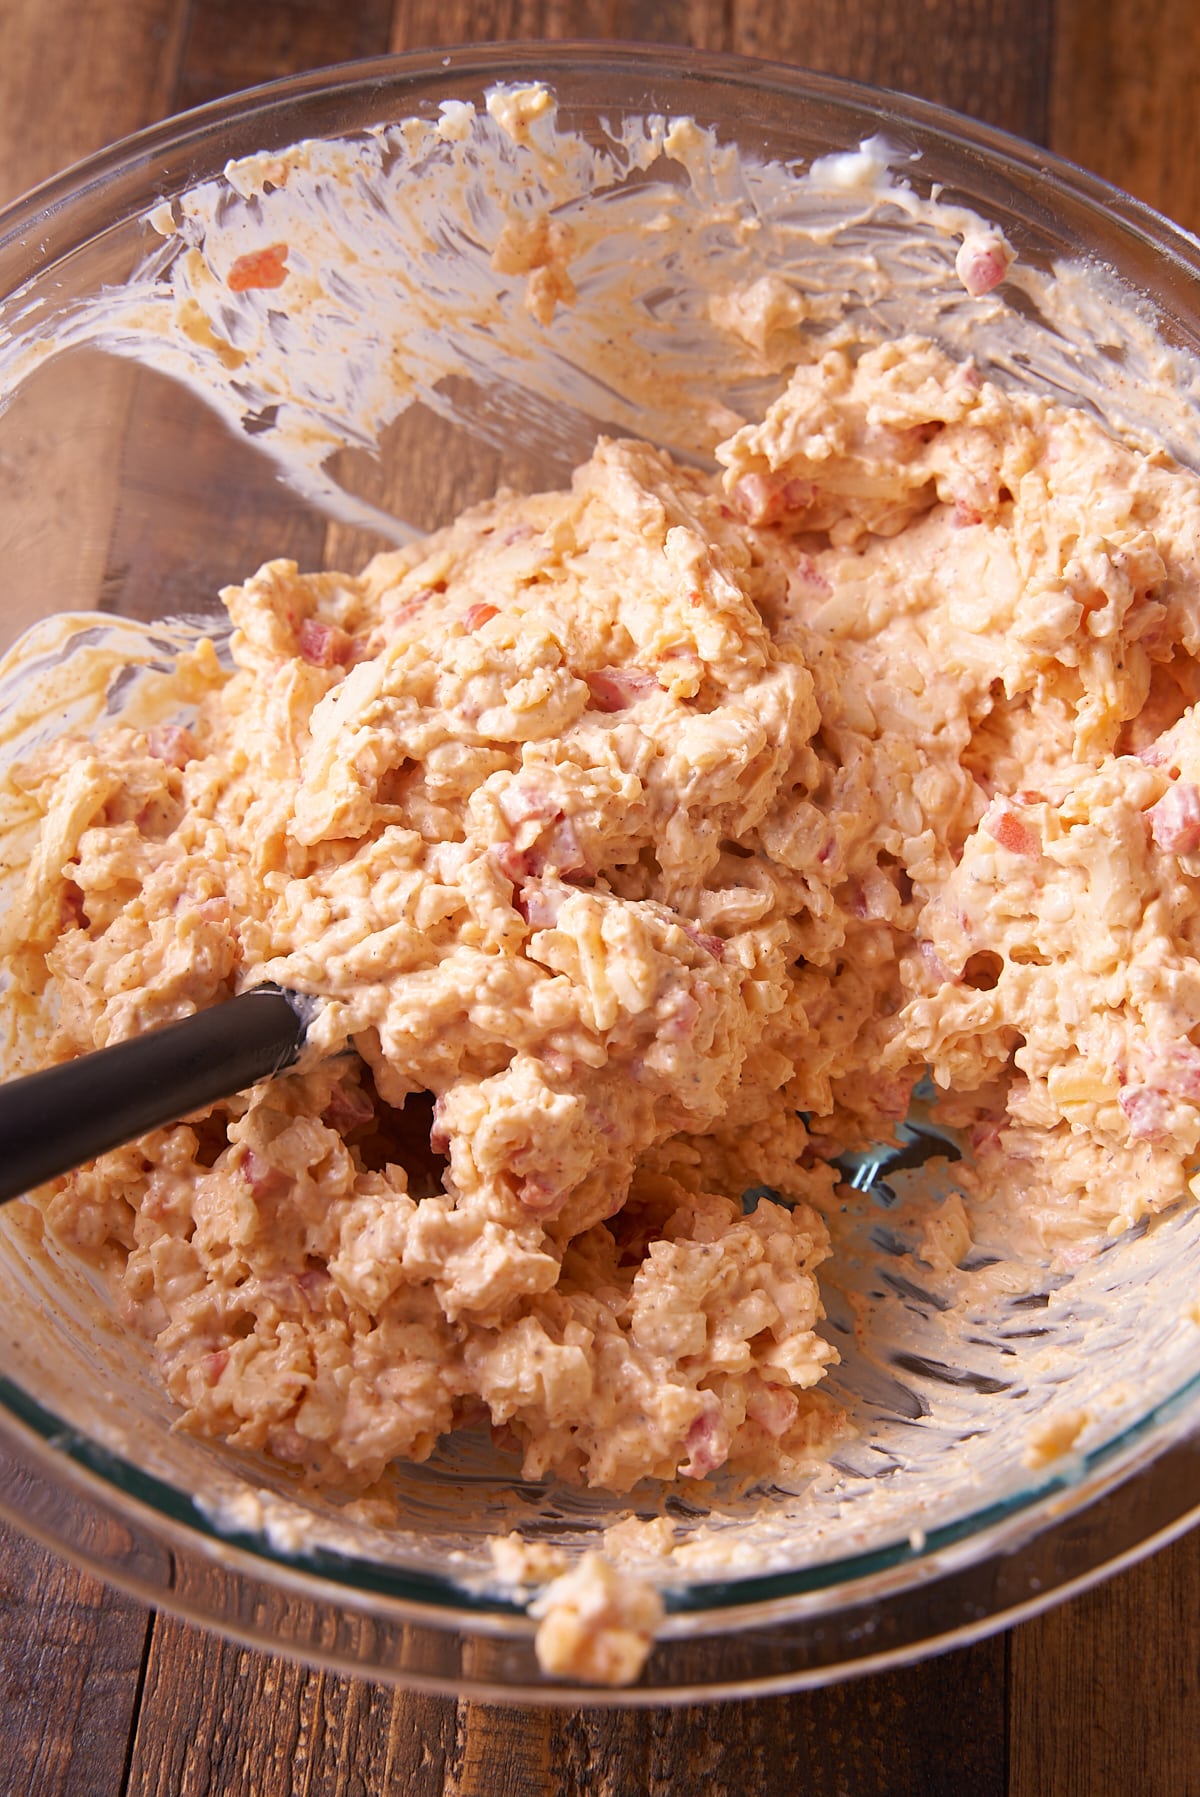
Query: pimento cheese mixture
column 646, row 842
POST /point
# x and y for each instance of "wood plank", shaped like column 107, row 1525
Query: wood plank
column 74, row 76
column 231, row 45
column 70, row 1661
column 1123, row 99
column 170, row 558
column 420, row 23
column 225, row 1721
column 987, row 58
column 243, row 1724
column 847, row 1737
column 1105, row 1691
column 926, row 1731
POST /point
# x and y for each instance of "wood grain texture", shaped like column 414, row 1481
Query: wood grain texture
column 987, row 58
column 75, row 75
column 70, row 1663
column 857, row 1738
column 232, row 45
column 176, row 444
column 1105, row 1691
column 224, row 1721
column 218, row 1720
column 177, row 560
column 702, row 23
column 1123, row 98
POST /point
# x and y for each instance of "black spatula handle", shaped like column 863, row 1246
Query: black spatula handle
column 57, row 1119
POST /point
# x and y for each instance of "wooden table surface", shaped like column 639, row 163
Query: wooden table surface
column 99, row 1696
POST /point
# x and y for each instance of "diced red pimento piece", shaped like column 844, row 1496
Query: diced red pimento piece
column 560, row 850
column 708, row 1443
column 1175, row 1072
column 804, row 576
column 1148, row 1111
column 525, row 800
column 172, row 743
column 259, row 268
column 260, row 1175
column 214, row 1364
column 679, row 1017
column 539, row 905
column 514, row 863
column 556, row 847
column 324, row 645
column 985, row 1136
column 1175, row 820
column 892, row 1093
column 1006, row 828
column 410, row 608
column 765, row 498
column 478, row 615
column 615, row 689
column 712, row 945
column 983, row 262
column 348, row 1107
column 541, row 1199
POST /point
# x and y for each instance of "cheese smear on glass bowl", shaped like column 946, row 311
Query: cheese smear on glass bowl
column 747, row 859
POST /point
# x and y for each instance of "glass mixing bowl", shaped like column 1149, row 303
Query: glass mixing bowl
column 160, row 438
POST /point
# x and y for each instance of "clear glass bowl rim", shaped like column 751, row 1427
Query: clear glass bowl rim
column 125, row 180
